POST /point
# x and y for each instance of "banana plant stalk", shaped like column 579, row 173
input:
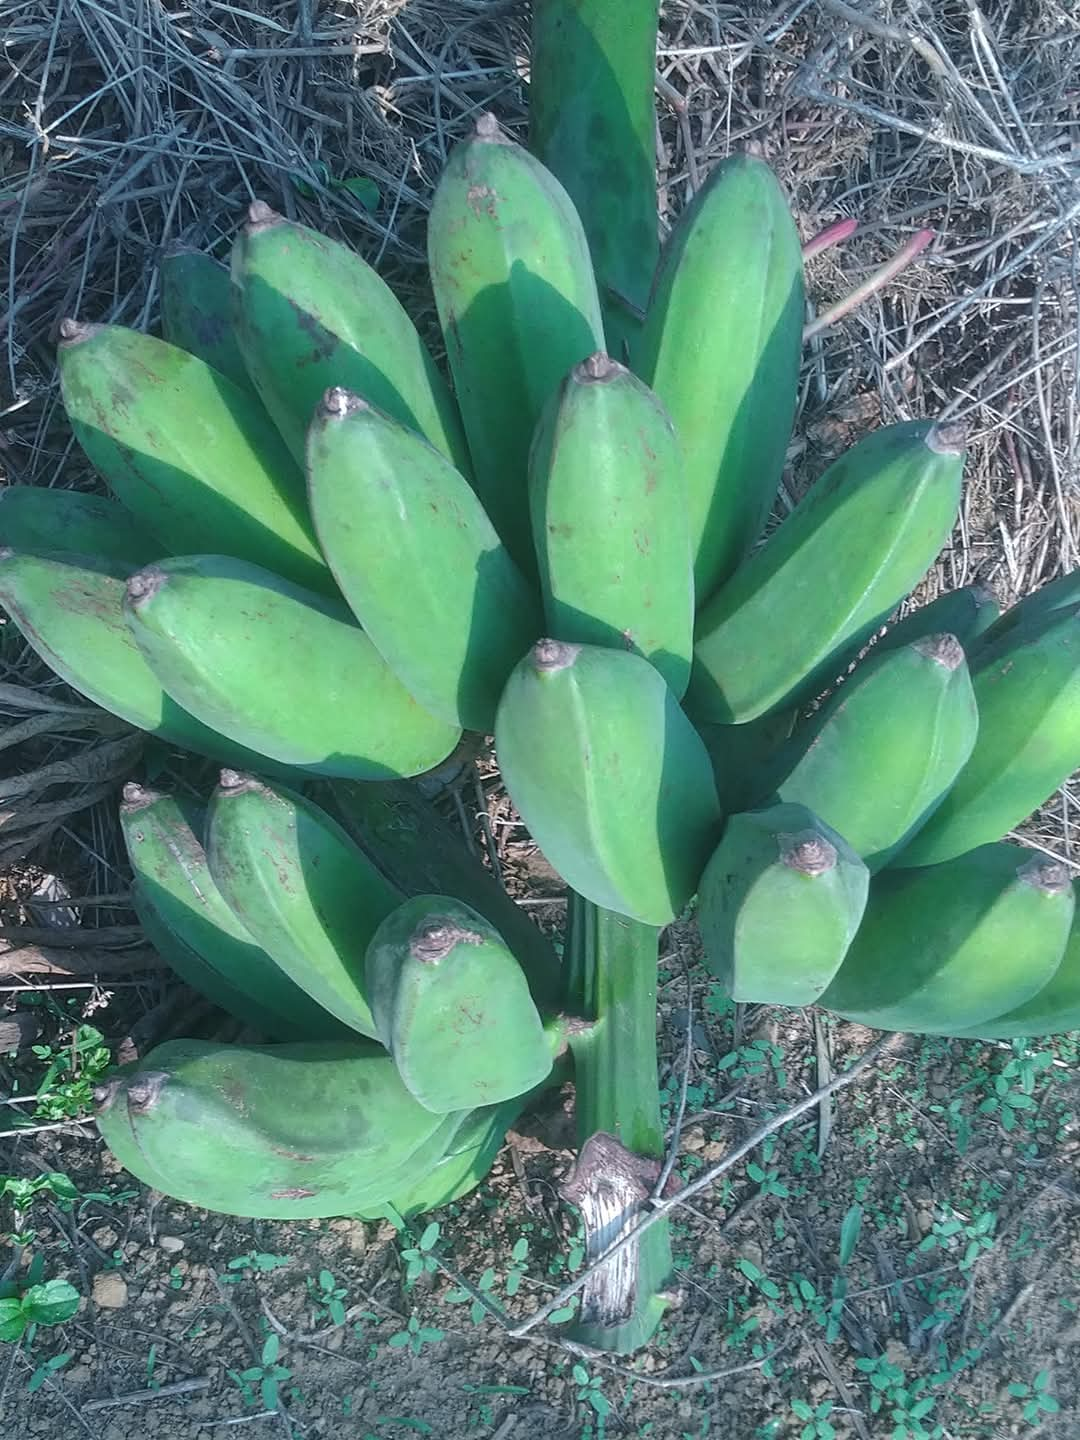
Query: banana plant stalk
column 611, row 979
column 592, row 122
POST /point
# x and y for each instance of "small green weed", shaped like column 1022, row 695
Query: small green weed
column 1036, row 1397
column 268, row 1375
column 415, row 1336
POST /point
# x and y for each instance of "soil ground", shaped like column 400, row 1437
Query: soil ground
column 902, row 1262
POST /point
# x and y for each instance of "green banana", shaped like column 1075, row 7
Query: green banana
column 301, row 888
column 592, row 122
column 1060, row 594
column 195, row 311
column 201, row 975
column 858, row 542
column 1053, row 1010
column 517, row 303
column 740, row 755
column 292, row 1131
column 193, row 457
column 609, row 776
column 608, row 506
column 279, row 670
column 721, row 346
column 1027, row 688
column 69, row 609
column 453, row 1007
column 418, row 853
column 779, row 904
column 880, row 755
column 310, row 313
column 967, row 613
column 175, row 881
column 418, row 561
column 33, row 517
column 942, row 949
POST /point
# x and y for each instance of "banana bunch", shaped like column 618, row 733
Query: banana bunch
column 321, row 565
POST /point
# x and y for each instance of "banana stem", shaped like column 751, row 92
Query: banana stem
column 611, row 978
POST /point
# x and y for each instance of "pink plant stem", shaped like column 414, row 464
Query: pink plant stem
column 830, row 236
column 880, row 278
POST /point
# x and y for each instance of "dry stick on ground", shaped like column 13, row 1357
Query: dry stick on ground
column 662, row 1207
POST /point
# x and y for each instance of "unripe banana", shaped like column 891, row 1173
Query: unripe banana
column 942, row 949
column 175, row 881
column 34, row 517
column 311, row 313
column 291, row 1131
column 778, row 905
column 608, row 504
column 879, row 757
column 721, row 347
column 609, row 776
column 518, row 306
column 859, row 541
column 453, row 1007
column 1027, row 688
column 592, row 122
column 279, row 670
column 418, row 561
column 193, row 457
column 1053, row 1010
column 968, row 613
column 69, row 609
column 196, row 304
column 1060, row 594
column 301, row 888
column 418, row 853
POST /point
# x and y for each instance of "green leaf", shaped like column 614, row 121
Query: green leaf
column 564, row 1313
column 580, row 1374
column 363, row 189
column 51, row 1303
column 520, row 1250
column 12, row 1319
column 749, row 1269
column 1049, row 1404
column 430, row 1235
column 850, row 1229
column 270, row 1349
column 398, row 1340
column 599, row 1403
column 802, row 1410
column 326, row 1280
column 922, row 1408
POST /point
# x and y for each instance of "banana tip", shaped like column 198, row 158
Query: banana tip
column 947, row 439
column 489, row 129
column 1049, row 876
column 143, row 1090
column 137, row 797
column 260, row 216
column 598, row 368
column 235, row 782
column 550, row 655
column 145, row 584
column 808, row 852
column 944, row 649
column 74, row 332
column 435, row 938
column 337, row 403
